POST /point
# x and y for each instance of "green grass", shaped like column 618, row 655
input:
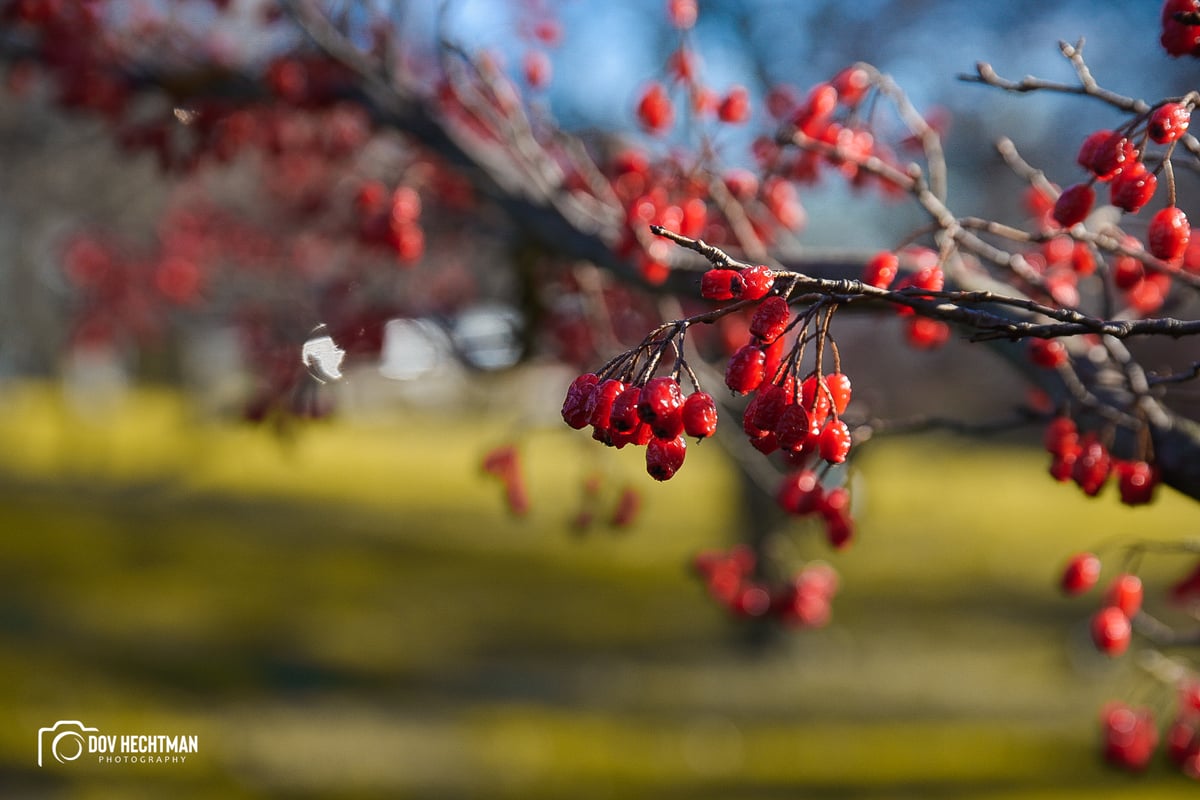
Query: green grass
column 353, row 614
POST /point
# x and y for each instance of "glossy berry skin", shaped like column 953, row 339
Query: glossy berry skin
column 575, row 410
column 745, row 370
column 764, row 409
column 699, row 415
column 1081, row 573
column 1133, row 188
column 1073, row 205
column 664, row 457
column 1125, row 593
column 839, row 390
column 881, row 269
column 815, row 396
column 794, row 428
column 1112, row 155
column 1177, row 38
column 1111, row 631
column 835, row 442
column 601, row 402
column 1136, row 481
column 661, row 405
column 624, row 417
column 1168, row 122
column 1167, row 236
column 722, row 284
column 770, row 319
column 759, row 281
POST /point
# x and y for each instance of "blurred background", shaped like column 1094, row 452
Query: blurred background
column 340, row 601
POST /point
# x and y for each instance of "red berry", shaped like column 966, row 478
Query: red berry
column 1177, row 38
column 835, row 442
column 1136, row 481
column 759, row 281
column 1125, row 593
column 851, row 84
column 735, row 106
column 1073, row 205
column 1168, row 122
column 1168, row 234
column 815, row 396
column 654, row 109
column 574, row 410
column 1127, row 272
column 601, row 402
column 537, row 69
column 765, row 408
column 926, row 334
column 839, row 390
column 1111, row 631
column 794, row 428
column 722, row 284
column 800, row 493
column 664, row 457
column 1061, row 436
column 624, row 417
column 1081, row 573
column 881, row 269
column 1110, row 156
column 770, row 319
column 1133, row 188
column 1047, row 353
column 699, row 415
column 682, row 13
column 745, row 371
column 1130, row 736
column 661, row 406
column 1092, row 466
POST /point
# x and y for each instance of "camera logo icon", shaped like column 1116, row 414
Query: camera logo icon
column 64, row 739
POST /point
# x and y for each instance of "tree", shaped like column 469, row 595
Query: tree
column 373, row 150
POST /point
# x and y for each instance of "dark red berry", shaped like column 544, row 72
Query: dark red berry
column 722, row 284
column 1111, row 631
column 1167, row 237
column 624, row 417
column 1168, row 122
column 770, row 319
column 1081, row 573
column 1073, row 205
column 699, row 415
column 664, row 457
column 1111, row 155
column 601, row 402
column 763, row 410
column 575, row 410
column 1136, row 481
column 661, row 405
column 793, row 428
column 745, row 371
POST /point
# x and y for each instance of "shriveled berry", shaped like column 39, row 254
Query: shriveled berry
column 1111, row 631
column 1125, row 592
column 722, row 284
column 881, row 269
column 1133, row 188
column 1167, row 236
column 575, row 410
column 1087, row 150
column 1136, row 481
column 1168, row 122
column 664, row 457
column 759, row 281
column 793, row 428
column 745, row 371
column 1073, row 205
column 764, row 409
column 835, row 442
column 1081, row 573
column 1112, row 154
column 699, row 415
column 770, row 319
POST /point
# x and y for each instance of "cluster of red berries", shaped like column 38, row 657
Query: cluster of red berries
column 804, row 601
column 1085, row 460
column 391, row 219
column 925, row 273
column 1111, row 627
column 1131, row 736
column 655, row 415
column 802, row 494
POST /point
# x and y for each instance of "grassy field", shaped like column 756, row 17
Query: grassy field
column 351, row 613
